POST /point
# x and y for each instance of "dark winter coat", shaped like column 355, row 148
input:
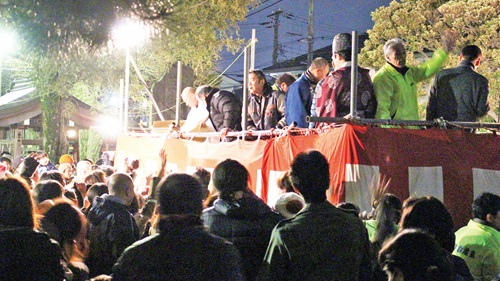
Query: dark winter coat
column 320, row 243
column 225, row 110
column 112, row 228
column 181, row 253
column 26, row 254
column 247, row 223
column 458, row 94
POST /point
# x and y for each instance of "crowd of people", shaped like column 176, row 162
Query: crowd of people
column 457, row 94
column 89, row 221
column 92, row 224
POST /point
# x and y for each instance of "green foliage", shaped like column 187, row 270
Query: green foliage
column 422, row 22
column 71, row 47
column 89, row 143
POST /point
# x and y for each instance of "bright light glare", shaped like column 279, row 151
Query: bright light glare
column 71, row 134
column 8, row 42
column 109, row 127
column 128, row 33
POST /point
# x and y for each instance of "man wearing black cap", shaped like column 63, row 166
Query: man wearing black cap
column 332, row 97
column 320, row 242
column 240, row 216
column 182, row 250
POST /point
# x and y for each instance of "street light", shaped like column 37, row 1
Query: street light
column 8, row 43
column 126, row 35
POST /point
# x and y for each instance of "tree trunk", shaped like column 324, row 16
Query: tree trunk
column 53, row 126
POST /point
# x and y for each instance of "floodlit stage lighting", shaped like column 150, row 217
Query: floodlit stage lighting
column 8, row 42
column 128, row 33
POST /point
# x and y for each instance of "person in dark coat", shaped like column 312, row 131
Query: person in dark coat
column 460, row 93
column 182, row 250
column 430, row 214
column 240, row 216
column 25, row 254
column 112, row 226
column 414, row 255
column 224, row 108
column 320, row 242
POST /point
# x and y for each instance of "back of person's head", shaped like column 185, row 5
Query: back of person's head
column 107, row 169
column 349, row 208
column 204, row 176
column 46, row 190
column 318, row 63
column 63, row 222
column 16, row 203
column 286, row 78
column 484, row 204
column 29, row 167
column 431, row 215
column 391, row 44
column 229, row 176
column 95, row 176
column 203, row 90
column 470, row 52
column 53, row 175
column 310, row 175
column 121, row 185
column 342, row 45
column 284, row 182
column 96, row 190
column 180, row 194
column 413, row 255
column 387, row 215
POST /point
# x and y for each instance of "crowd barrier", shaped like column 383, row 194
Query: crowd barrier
column 454, row 166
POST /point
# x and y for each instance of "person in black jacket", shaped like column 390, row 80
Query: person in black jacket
column 25, row 254
column 182, row 250
column 240, row 216
column 460, row 93
column 224, row 109
column 112, row 226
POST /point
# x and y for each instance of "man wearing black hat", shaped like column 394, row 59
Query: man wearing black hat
column 240, row 216
column 332, row 97
column 182, row 250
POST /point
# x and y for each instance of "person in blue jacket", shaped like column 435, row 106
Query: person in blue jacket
column 299, row 97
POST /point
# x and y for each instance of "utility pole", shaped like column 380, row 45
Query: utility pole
column 310, row 33
column 276, row 24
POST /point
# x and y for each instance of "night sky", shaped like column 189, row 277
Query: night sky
column 330, row 17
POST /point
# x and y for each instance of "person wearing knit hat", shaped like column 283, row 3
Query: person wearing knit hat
column 240, row 216
column 182, row 250
column 332, row 97
column 66, row 158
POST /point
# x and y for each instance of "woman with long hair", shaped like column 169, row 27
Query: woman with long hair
column 25, row 254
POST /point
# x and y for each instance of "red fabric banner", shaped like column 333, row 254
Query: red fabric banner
column 433, row 162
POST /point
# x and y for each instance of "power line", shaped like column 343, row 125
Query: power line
column 251, row 14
